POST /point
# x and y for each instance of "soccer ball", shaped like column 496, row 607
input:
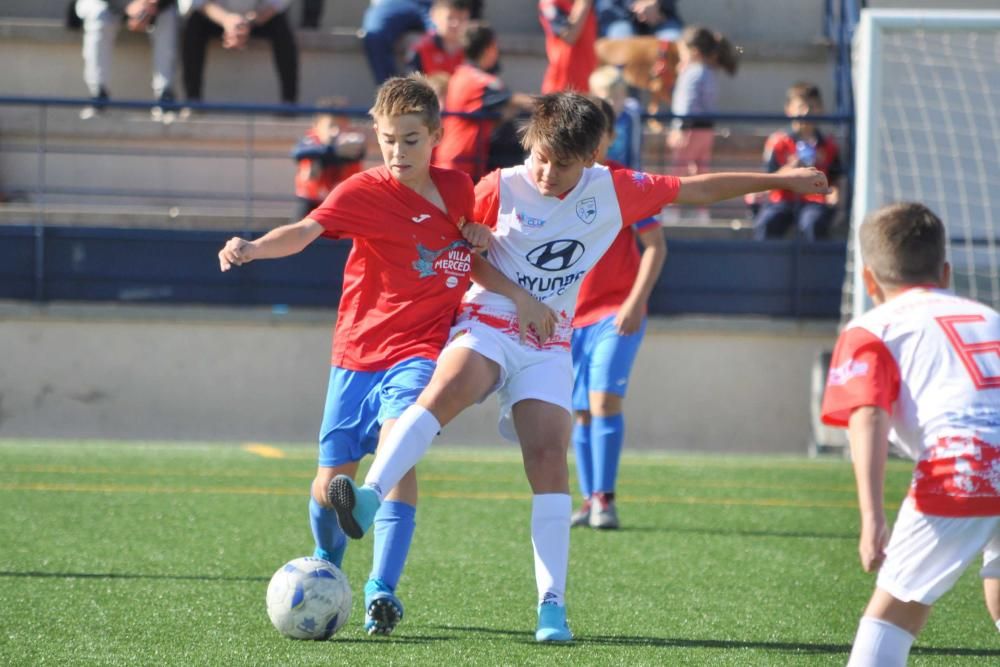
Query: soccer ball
column 308, row 598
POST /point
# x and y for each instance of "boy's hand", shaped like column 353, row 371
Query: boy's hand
column 476, row 234
column 871, row 546
column 805, row 181
column 534, row 314
column 236, row 252
column 629, row 318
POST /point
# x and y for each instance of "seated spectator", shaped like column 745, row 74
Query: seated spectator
column 440, row 49
column 570, row 30
column 631, row 18
column 606, row 83
column 465, row 143
column 236, row 21
column 101, row 21
column 803, row 145
column 328, row 154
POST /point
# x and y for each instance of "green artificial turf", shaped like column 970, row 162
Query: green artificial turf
column 153, row 553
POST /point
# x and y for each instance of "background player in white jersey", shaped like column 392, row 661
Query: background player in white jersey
column 552, row 218
column 921, row 369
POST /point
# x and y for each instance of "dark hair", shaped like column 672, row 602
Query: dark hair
column 567, row 124
column 477, row 38
column 402, row 95
column 454, row 4
column 607, row 110
column 903, row 244
column 327, row 106
column 805, row 91
column 713, row 46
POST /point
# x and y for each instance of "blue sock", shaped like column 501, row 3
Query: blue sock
column 608, row 434
column 331, row 543
column 395, row 522
column 584, row 459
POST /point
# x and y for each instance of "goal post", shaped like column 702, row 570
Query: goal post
column 927, row 93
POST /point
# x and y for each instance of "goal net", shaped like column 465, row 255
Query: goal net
column 927, row 88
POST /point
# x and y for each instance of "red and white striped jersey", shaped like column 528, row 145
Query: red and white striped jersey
column 932, row 361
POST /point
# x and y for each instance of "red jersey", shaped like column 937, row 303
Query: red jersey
column 929, row 359
column 319, row 168
column 466, row 141
column 430, row 57
column 570, row 65
column 610, row 282
column 407, row 271
column 822, row 154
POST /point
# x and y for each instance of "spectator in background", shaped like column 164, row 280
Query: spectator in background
column 465, row 144
column 628, row 18
column 802, row 145
column 101, row 20
column 236, row 21
column 328, row 154
column 702, row 52
column 440, row 49
column 570, row 33
column 607, row 84
column 384, row 23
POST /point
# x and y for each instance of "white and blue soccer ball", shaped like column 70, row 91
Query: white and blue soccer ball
column 308, row 598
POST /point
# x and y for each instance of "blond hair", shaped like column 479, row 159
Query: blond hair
column 404, row 95
column 605, row 79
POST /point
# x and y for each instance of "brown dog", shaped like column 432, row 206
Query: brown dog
column 647, row 63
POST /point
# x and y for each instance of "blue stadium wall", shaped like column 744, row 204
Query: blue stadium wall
column 733, row 277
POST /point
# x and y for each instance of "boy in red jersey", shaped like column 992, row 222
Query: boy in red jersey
column 608, row 328
column 553, row 217
column 403, row 281
column 471, row 89
column 328, row 154
column 803, row 146
column 570, row 28
column 921, row 370
column 440, row 50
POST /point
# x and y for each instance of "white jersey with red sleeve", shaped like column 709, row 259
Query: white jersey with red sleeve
column 932, row 361
column 548, row 244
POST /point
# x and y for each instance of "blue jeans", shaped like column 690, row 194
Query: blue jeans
column 383, row 23
column 812, row 220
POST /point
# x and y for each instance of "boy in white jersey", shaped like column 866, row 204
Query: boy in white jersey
column 921, row 369
column 552, row 219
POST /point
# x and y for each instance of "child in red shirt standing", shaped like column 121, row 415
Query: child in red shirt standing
column 608, row 327
column 471, row 89
column 440, row 50
column 570, row 34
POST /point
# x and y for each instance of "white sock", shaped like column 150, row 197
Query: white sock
column 550, row 514
column 407, row 442
column 880, row 644
column 997, row 623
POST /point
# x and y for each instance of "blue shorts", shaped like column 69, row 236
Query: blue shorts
column 602, row 360
column 359, row 402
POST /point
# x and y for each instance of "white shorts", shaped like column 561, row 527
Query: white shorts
column 525, row 372
column 927, row 554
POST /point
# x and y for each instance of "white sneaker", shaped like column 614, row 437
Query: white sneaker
column 603, row 514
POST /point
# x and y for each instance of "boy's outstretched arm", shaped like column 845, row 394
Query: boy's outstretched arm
column 279, row 242
column 868, row 432
column 709, row 188
column 530, row 311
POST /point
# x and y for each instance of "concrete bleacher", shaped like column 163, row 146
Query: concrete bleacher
column 42, row 58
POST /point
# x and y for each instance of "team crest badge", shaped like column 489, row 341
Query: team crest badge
column 586, row 210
